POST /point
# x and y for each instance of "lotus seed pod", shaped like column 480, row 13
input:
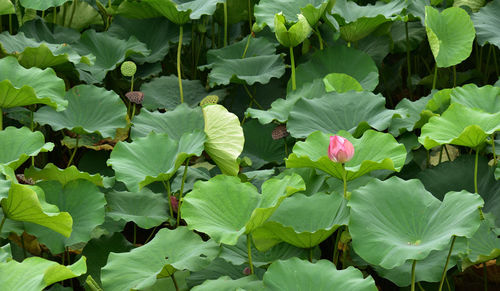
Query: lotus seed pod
column 280, row 132
column 210, row 99
column 135, row 96
column 128, row 68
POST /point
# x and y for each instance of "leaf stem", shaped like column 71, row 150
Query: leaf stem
column 74, row 151
column 249, row 252
column 225, row 23
column 447, row 153
column 251, row 97
column 169, row 193
column 2, row 223
column 493, row 148
column 320, row 39
column 73, row 9
column 475, row 171
column 344, row 178
column 184, row 175
column 179, row 49
column 408, row 61
column 336, row 247
column 246, row 47
column 151, row 235
column 434, row 81
column 250, row 16
column 175, row 282
column 292, row 61
column 413, row 275
column 443, row 275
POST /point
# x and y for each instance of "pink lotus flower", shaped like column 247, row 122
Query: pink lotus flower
column 340, row 150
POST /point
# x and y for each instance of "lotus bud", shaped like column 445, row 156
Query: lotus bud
column 340, row 150
column 128, row 68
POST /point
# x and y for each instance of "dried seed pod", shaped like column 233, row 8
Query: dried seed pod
column 135, row 96
column 280, row 132
column 210, row 99
column 128, row 68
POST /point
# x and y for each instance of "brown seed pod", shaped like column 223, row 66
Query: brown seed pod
column 135, row 96
column 280, row 132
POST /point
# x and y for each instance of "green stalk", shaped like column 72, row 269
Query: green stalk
column 151, row 235
column 169, row 193
column 133, row 111
column 493, row 148
column 74, row 151
column 2, row 223
column 249, row 251
column 320, row 39
column 408, row 60
column 1, row 119
column 184, row 175
column 443, row 275
column 454, row 76
column 434, row 81
column 109, row 3
column 251, row 97
column 179, row 49
column 292, row 60
column 246, row 47
column 413, row 275
column 10, row 23
column 344, row 178
column 475, row 172
column 335, row 247
column 175, row 282
column 132, row 84
column 250, row 15
column 225, row 23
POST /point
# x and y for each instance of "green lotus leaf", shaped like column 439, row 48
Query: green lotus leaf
column 181, row 11
column 483, row 246
column 32, row 53
column 109, row 52
column 280, row 108
column 175, row 123
column 163, row 92
column 449, row 47
column 28, row 204
column 83, row 201
column 295, row 34
column 486, row 98
column 390, row 155
column 239, row 210
column 416, row 34
column 97, row 251
column 339, row 59
column 225, row 138
column 486, row 21
column 146, row 208
column 315, row 218
column 86, row 16
column 266, row 10
column 153, row 158
column 238, row 254
column 52, row 172
column 6, row 7
column 90, row 109
column 137, row 10
column 36, row 273
column 260, row 146
column 406, row 221
column 18, row 144
column 341, row 83
column 260, row 64
column 413, row 118
column 5, row 253
column 158, row 41
column 169, row 250
column 20, row 86
column 440, row 101
column 457, row 176
column 40, row 31
column 296, row 274
column 366, row 110
column 42, row 4
column 459, row 125
column 225, row 283
column 428, row 269
column 357, row 22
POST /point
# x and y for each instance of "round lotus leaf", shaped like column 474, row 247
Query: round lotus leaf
column 459, row 125
column 155, row 157
column 6, row 7
column 449, row 46
column 314, row 219
column 181, row 11
column 338, row 59
column 52, row 172
column 20, row 86
column 36, row 273
column 366, row 110
column 486, row 22
column 486, row 98
column 225, row 283
column 42, row 4
column 168, row 251
column 483, row 246
column 18, row 144
column 225, row 138
column 90, row 109
column 341, row 83
column 299, row 275
column 406, row 221
column 390, row 155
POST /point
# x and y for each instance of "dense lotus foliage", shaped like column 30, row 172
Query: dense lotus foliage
column 249, row 145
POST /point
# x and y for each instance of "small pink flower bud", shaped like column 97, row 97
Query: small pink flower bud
column 340, row 150
column 175, row 203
